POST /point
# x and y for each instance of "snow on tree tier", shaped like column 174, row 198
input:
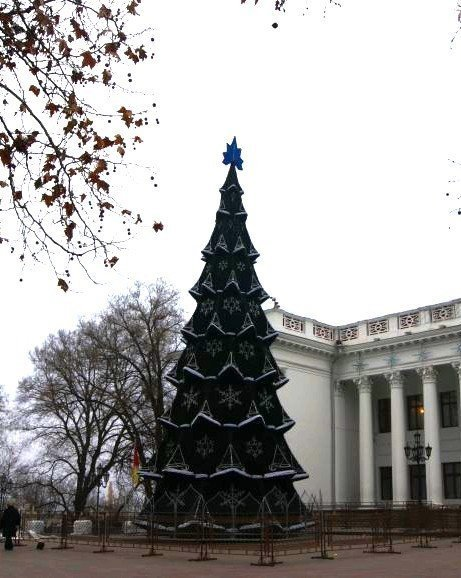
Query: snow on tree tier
column 224, row 433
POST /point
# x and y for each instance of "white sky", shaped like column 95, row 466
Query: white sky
column 346, row 124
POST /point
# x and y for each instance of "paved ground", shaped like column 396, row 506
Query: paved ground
column 27, row 562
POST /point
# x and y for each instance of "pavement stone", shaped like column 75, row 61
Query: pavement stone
column 27, row 562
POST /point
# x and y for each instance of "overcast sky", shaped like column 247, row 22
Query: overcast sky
column 346, row 124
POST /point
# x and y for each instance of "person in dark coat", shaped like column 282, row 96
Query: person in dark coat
column 9, row 523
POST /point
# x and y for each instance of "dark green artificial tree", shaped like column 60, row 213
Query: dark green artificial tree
column 224, row 433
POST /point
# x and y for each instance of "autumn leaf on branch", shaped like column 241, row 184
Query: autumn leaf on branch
column 69, row 208
column 69, row 230
column 106, row 76
column 5, row 156
column 88, row 59
column 105, row 12
column 127, row 115
column 132, row 6
column 111, row 262
column 68, row 61
column 63, row 285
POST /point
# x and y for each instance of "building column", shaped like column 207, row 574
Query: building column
column 432, row 434
column 341, row 456
column 366, row 441
column 400, row 478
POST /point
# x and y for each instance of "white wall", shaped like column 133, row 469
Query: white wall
column 306, row 399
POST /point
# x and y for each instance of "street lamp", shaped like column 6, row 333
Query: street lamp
column 5, row 486
column 101, row 480
column 418, row 454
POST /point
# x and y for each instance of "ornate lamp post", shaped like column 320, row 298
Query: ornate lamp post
column 5, row 486
column 418, row 454
column 101, row 479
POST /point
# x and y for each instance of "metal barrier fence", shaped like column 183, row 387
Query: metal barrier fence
column 265, row 536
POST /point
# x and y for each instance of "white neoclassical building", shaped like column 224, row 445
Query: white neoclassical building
column 359, row 393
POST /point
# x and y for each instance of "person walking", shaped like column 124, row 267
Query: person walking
column 9, row 523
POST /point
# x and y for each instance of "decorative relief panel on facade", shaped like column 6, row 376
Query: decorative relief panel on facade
column 293, row 324
column 428, row 373
column 348, row 333
column 324, row 332
column 363, row 384
column 409, row 320
column 443, row 313
column 376, row 327
column 395, row 379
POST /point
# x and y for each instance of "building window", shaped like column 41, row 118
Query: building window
column 452, row 480
column 415, row 410
column 386, row 483
column 418, row 482
column 449, row 408
column 384, row 415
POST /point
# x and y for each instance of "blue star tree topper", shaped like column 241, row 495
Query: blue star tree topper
column 232, row 155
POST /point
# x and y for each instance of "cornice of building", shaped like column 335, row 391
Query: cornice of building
column 394, row 330
column 429, row 336
column 303, row 344
column 295, row 343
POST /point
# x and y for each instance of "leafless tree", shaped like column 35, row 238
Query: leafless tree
column 139, row 337
column 98, row 391
column 7, row 458
column 64, row 407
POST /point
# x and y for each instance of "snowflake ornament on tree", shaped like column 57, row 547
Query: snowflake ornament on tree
column 176, row 498
column 231, row 304
column 229, row 397
column 232, row 498
column 265, row 400
column 190, row 398
column 246, row 349
column 254, row 448
column 205, row 446
column 254, row 308
column 207, row 307
column 213, row 347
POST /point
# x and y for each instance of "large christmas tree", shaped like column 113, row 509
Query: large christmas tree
column 224, row 433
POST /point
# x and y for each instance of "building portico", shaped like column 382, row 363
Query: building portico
column 360, row 392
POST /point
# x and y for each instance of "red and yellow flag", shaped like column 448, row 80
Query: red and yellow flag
column 135, row 467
